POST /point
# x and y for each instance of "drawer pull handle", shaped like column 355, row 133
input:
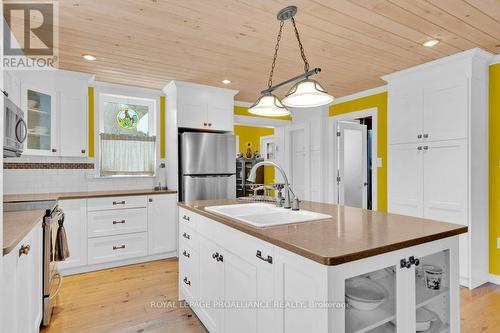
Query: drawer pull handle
column 269, row 259
column 186, row 281
column 118, row 202
column 119, row 247
column 25, row 249
column 185, row 254
column 118, row 222
column 186, row 236
column 186, row 218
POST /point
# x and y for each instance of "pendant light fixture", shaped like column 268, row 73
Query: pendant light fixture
column 305, row 93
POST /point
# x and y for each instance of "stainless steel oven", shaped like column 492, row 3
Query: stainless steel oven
column 15, row 129
column 52, row 279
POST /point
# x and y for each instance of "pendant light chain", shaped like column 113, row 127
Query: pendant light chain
column 276, row 48
column 302, row 54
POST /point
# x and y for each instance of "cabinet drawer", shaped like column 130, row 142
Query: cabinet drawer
column 135, row 201
column 188, row 281
column 188, row 257
column 117, row 222
column 113, row 248
column 187, row 236
column 186, row 217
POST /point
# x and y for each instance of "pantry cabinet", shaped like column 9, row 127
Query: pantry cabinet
column 22, row 285
column 437, row 153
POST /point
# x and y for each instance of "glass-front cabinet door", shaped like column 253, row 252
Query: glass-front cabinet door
column 432, row 293
column 40, row 118
column 410, row 290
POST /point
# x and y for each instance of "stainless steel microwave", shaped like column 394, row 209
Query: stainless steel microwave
column 15, row 130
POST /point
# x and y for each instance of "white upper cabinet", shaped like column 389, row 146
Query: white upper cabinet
column 73, row 123
column 405, row 117
column 201, row 107
column 445, row 110
column 55, row 104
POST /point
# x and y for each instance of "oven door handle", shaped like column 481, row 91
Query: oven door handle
column 59, row 285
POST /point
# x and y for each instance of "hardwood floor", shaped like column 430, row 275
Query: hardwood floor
column 136, row 298
column 143, row 298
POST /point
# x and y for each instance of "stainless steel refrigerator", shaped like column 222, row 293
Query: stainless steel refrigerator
column 208, row 166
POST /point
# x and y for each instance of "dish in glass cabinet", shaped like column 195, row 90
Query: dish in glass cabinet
column 364, row 294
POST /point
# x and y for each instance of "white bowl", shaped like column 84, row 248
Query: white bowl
column 424, row 319
column 364, row 294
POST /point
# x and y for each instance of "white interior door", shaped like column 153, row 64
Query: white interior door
column 352, row 168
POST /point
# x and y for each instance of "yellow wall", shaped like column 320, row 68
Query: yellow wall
column 494, row 174
column 91, row 122
column 252, row 135
column 380, row 102
column 243, row 111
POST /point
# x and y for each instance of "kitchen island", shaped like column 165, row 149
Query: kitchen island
column 391, row 270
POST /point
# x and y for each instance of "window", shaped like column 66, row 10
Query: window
column 127, row 136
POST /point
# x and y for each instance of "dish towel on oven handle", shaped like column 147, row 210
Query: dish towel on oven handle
column 61, row 249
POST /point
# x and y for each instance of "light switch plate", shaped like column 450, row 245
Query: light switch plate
column 379, row 162
column 498, row 243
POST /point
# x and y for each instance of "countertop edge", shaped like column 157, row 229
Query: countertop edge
column 12, row 244
column 82, row 195
column 329, row 261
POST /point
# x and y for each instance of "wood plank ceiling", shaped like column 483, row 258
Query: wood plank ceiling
column 150, row 42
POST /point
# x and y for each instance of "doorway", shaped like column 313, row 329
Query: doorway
column 354, row 159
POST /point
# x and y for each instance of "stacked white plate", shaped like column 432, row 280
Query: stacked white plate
column 364, row 294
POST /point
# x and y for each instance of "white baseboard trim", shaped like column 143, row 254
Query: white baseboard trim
column 495, row 279
column 98, row 267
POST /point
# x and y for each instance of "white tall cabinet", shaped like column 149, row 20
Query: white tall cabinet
column 438, row 150
column 195, row 107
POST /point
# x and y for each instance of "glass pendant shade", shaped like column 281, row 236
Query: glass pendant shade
column 307, row 93
column 268, row 105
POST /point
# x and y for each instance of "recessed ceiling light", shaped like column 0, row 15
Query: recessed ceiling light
column 226, row 81
column 431, row 42
column 89, row 57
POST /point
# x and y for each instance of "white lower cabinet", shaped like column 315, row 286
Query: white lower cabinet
column 75, row 224
column 162, row 223
column 114, row 231
column 234, row 288
column 22, row 285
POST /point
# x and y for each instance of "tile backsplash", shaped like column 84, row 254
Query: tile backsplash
column 41, row 175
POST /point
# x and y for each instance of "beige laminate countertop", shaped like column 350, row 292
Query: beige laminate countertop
column 79, row 195
column 350, row 234
column 16, row 225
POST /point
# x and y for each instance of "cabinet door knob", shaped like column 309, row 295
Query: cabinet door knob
column 5, row 93
column 54, row 150
column 83, row 151
column 426, row 147
column 426, row 136
column 186, row 236
column 419, row 136
column 150, row 200
column 25, row 249
column 216, row 256
column 220, row 258
column 186, row 254
column 419, row 148
column 209, row 124
column 204, row 124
